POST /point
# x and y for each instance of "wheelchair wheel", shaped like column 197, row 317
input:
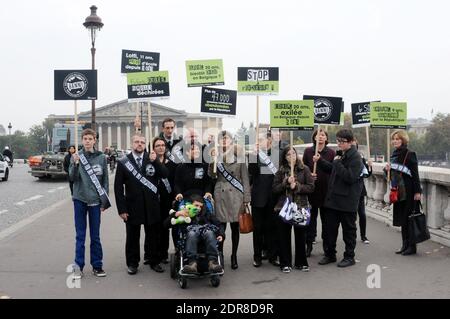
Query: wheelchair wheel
column 173, row 266
column 215, row 281
column 182, row 282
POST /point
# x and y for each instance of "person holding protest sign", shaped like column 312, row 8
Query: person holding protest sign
column 321, row 178
column 137, row 199
column 168, row 134
column 166, row 195
column 66, row 164
column 233, row 193
column 366, row 173
column 262, row 171
column 404, row 173
column 89, row 173
column 344, row 192
column 296, row 186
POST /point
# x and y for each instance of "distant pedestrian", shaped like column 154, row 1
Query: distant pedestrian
column 66, row 165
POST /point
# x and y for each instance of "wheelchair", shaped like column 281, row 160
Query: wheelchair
column 178, row 259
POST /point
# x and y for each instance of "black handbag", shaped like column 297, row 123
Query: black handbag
column 417, row 225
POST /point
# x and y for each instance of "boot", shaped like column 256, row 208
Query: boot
column 404, row 247
column 309, row 248
column 411, row 250
column 213, row 266
column 190, row 268
column 234, row 264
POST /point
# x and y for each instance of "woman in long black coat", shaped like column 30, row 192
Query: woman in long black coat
column 404, row 170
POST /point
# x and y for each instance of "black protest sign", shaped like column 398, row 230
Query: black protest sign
column 361, row 114
column 75, row 84
column 218, row 101
column 139, row 61
column 327, row 109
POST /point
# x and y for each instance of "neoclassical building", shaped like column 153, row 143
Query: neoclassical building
column 115, row 121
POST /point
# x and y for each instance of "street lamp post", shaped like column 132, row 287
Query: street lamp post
column 93, row 23
column 9, row 128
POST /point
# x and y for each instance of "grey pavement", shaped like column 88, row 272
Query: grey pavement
column 35, row 253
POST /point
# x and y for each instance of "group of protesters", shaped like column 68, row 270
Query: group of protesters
column 157, row 176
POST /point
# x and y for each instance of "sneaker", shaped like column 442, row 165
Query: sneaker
column 286, row 269
column 302, row 268
column 213, row 266
column 346, row 262
column 275, row 262
column 99, row 272
column 365, row 240
column 157, row 268
column 77, row 273
column 264, row 255
column 190, row 268
column 132, row 270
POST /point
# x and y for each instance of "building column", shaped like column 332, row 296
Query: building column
column 119, row 136
column 100, row 137
column 109, row 135
column 128, row 137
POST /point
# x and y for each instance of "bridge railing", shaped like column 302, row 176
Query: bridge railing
column 436, row 199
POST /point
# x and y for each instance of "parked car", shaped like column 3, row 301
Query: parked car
column 48, row 165
column 4, row 169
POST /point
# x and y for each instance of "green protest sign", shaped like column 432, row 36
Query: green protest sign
column 292, row 115
column 258, row 81
column 204, row 72
column 388, row 115
column 145, row 85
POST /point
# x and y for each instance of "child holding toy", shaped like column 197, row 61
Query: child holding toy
column 203, row 226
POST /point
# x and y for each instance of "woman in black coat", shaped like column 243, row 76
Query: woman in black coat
column 404, row 171
column 66, row 165
column 297, row 187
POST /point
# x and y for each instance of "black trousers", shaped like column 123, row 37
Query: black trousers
column 163, row 249
column 311, row 230
column 285, row 235
column 348, row 222
column 234, row 237
column 132, row 245
column 362, row 217
column 264, row 232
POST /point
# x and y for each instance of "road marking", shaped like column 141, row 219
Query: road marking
column 62, row 187
column 3, row 211
column 21, row 203
column 52, row 190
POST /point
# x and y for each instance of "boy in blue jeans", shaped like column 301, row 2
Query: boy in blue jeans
column 89, row 173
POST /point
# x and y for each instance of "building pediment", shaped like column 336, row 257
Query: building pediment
column 125, row 109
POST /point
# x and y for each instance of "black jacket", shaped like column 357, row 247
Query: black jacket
column 66, row 162
column 345, row 184
column 141, row 204
column 169, row 146
column 261, row 180
column 192, row 178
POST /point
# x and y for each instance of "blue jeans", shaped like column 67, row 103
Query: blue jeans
column 81, row 211
column 192, row 240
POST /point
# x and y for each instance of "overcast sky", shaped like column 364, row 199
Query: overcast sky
column 359, row 49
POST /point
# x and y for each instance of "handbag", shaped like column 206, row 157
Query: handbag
column 293, row 214
column 245, row 220
column 417, row 225
column 394, row 195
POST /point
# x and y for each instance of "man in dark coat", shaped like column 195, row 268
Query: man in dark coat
column 321, row 177
column 168, row 134
column 135, row 188
column 344, row 191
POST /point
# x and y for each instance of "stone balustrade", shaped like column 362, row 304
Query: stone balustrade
column 436, row 201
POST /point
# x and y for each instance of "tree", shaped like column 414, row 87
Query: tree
column 437, row 139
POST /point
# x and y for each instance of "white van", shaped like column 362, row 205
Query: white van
column 4, row 169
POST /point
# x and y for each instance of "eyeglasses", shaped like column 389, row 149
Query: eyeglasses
column 341, row 141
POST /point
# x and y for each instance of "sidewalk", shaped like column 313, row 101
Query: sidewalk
column 33, row 261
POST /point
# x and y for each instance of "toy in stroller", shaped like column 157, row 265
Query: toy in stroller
column 178, row 259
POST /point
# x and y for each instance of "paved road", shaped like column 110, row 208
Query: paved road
column 23, row 195
column 34, row 259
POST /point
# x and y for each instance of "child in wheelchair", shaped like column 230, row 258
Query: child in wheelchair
column 197, row 226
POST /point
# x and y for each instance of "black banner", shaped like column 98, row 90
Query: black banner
column 327, row 109
column 361, row 114
column 139, row 61
column 218, row 101
column 75, row 84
